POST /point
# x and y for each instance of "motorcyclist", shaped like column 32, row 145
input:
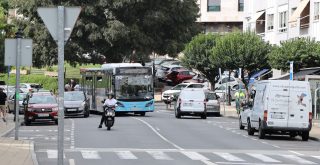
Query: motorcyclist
column 110, row 101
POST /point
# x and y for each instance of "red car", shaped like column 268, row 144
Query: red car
column 177, row 77
column 40, row 106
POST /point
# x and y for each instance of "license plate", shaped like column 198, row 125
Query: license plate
column 187, row 104
column 136, row 109
column 277, row 116
column 71, row 110
column 109, row 118
column 43, row 115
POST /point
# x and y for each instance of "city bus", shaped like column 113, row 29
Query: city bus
column 130, row 83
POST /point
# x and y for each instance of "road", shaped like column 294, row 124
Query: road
column 160, row 139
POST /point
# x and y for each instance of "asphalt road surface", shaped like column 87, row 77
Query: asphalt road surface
column 160, row 139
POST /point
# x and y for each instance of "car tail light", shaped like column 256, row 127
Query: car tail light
column 265, row 115
column 310, row 117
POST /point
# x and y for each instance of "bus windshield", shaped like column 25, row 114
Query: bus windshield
column 134, row 87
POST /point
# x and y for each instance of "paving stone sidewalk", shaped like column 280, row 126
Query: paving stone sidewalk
column 15, row 152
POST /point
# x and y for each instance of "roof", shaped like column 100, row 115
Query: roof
column 116, row 65
column 301, row 74
column 296, row 14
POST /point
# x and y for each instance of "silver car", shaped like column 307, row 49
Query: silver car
column 213, row 103
column 76, row 103
column 11, row 102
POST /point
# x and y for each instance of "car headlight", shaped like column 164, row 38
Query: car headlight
column 55, row 109
column 82, row 106
column 149, row 104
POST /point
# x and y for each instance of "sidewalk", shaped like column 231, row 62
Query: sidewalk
column 15, row 152
column 230, row 111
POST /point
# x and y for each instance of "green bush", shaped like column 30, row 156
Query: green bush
column 49, row 83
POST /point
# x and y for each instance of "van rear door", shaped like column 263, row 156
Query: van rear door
column 278, row 104
column 299, row 105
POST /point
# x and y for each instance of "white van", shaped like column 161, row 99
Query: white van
column 281, row 106
column 191, row 101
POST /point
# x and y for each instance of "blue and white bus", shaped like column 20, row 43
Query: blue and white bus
column 130, row 83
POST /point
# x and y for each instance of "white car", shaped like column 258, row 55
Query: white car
column 245, row 114
column 168, row 95
column 191, row 102
column 25, row 87
column 164, row 70
column 222, row 91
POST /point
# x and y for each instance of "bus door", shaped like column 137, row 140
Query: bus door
column 100, row 91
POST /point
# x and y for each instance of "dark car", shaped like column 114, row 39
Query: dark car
column 40, row 106
column 177, row 77
column 76, row 104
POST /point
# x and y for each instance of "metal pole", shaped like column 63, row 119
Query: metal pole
column 315, row 103
column 60, row 83
column 18, row 58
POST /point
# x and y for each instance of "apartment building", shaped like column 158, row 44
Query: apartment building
column 219, row 16
column 279, row 20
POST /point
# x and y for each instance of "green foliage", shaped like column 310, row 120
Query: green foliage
column 197, row 55
column 113, row 29
column 303, row 51
column 242, row 50
column 50, row 83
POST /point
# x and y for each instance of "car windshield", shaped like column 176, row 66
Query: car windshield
column 42, row 99
column 195, row 86
column 73, row 96
column 179, row 87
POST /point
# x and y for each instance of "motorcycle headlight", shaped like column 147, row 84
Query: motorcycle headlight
column 149, row 104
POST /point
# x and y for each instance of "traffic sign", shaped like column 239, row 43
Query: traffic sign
column 11, row 52
column 50, row 18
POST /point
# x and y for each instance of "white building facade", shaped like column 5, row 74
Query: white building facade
column 219, row 16
column 279, row 20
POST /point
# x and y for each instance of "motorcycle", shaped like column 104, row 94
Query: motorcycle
column 109, row 112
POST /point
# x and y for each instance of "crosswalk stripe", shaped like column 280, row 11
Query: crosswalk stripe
column 263, row 158
column 126, row 155
column 297, row 159
column 317, row 157
column 228, row 157
column 90, row 155
column 194, row 155
column 53, row 154
column 159, row 155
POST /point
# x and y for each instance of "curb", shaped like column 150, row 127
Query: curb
column 33, row 154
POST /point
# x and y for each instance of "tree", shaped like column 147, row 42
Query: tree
column 242, row 50
column 304, row 52
column 114, row 29
column 198, row 55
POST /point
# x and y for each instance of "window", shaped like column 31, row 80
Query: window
column 240, row 5
column 214, row 5
column 316, row 10
column 270, row 19
column 283, row 21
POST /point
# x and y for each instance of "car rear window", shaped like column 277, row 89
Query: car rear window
column 195, row 86
column 211, row 96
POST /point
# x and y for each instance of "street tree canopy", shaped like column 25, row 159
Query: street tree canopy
column 114, row 29
column 198, row 55
column 244, row 50
column 304, row 52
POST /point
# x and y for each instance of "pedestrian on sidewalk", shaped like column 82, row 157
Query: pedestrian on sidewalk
column 3, row 99
column 240, row 97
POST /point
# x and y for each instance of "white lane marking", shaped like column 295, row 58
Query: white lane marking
column 239, row 163
column 53, row 154
column 90, row 155
column 126, row 155
column 245, row 136
column 194, row 155
column 317, row 157
column 263, row 158
column 275, row 146
column 296, row 153
column 228, row 157
column 207, row 162
column 254, row 139
column 159, row 155
column 264, row 142
column 72, row 141
column 71, row 162
column 297, row 159
column 162, row 137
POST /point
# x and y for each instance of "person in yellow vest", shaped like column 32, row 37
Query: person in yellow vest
column 240, row 97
